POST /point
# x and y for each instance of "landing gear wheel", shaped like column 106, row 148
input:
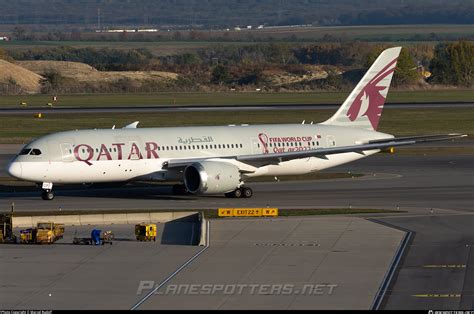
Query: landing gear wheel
column 47, row 195
column 237, row 193
column 247, row 192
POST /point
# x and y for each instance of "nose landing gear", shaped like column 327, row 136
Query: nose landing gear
column 47, row 194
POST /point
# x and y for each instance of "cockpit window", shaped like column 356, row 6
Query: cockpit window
column 35, row 151
column 25, row 151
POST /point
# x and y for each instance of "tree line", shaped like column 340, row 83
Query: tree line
column 249, row 66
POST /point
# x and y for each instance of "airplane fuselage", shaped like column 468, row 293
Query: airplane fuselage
column 115, row 155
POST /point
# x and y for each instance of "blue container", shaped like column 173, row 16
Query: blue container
column 95, row 236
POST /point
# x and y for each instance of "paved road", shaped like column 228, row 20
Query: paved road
column 438, row 269
column 160, row 108
column 391, row 181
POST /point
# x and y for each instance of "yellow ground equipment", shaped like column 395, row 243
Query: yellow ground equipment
column 107, row 237
column 6, row 229
column 49, row 232
column 145, row 232
column 28, row 236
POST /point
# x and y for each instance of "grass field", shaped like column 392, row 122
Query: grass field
column 22, row 128
column 225, row 98
column 166, row 45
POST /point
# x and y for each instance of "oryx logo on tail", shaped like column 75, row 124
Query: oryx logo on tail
column 369, row 102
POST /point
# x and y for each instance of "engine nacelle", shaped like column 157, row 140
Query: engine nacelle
column 211, row 177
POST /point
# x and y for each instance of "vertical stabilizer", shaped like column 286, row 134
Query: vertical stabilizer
column 363, row 107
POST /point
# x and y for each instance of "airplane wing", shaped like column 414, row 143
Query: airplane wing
column 259, row 160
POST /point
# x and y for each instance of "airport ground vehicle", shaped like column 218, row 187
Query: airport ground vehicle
column 6, row 229
column 49, row 232
column 107, row 237
column 145, row 232
column 97, row 237
column 28, row 236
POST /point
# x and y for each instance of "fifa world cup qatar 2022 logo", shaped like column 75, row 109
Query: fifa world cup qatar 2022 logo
column 263, row 138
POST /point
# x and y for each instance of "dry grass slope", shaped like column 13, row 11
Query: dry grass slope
column 28, row 80
column 85, row 73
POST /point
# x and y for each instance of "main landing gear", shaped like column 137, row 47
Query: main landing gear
column 243, row 192
column 47, row 194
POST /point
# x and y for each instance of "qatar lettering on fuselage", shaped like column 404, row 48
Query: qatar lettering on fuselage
column 85, row 152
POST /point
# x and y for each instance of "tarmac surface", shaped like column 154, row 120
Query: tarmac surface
column 434, row 193
column 275, row 263
column 391, row 181
column 68, row 276
column 192, row 108
column 438, row 269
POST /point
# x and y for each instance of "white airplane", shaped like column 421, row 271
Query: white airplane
column 218, row 159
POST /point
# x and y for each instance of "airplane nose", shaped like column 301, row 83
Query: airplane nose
column 15, row 169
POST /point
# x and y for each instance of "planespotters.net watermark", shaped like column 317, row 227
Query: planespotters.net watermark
column 146, row 286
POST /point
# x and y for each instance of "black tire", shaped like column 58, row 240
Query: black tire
column 47, row 195
column 247, row 192
column 238, row 193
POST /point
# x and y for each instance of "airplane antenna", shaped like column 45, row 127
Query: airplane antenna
column 311, row 122
column 303, row 122
column 113, row 127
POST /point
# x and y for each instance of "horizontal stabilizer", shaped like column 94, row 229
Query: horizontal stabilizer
column 131, row 125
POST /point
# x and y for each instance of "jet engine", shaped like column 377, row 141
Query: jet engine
column 211, row 177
